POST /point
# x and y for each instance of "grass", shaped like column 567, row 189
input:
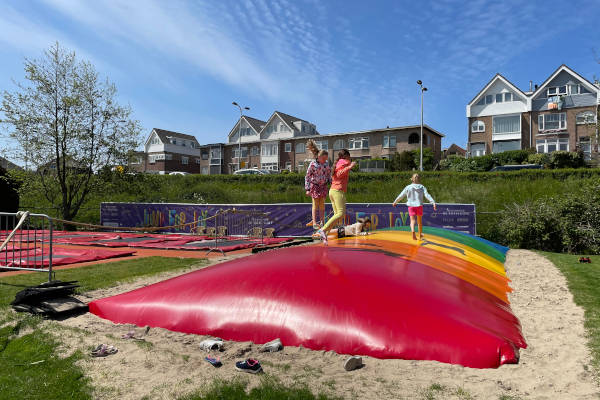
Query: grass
column 31, row 367
column 488, row 191
column 584, row 282
column 269, row 389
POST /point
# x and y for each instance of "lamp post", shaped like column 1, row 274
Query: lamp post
column 240, row 132
column 423, row 90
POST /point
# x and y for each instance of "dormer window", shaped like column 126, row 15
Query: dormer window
column 489, row 99
column 508, row 96
column 557, row 90
column 574, row 89
column 499, row 97
column 154, row 140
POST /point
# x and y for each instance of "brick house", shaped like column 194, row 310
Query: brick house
column 559, row 114
column 454, row 150
column 280, row 143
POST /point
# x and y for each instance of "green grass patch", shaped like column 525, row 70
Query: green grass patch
column 269, row 389
column 97, row 276
column 584, row 283
column 30, row 366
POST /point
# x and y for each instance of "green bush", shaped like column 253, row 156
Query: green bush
column 568, row 223
column 566, row 159
column 539, row 159
column 404, row 161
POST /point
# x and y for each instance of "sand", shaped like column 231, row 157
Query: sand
column 166, row 365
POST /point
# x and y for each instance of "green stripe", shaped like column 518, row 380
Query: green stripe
column 457, row 237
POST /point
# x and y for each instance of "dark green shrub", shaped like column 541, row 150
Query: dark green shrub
column 404, row 161
column 9, row 189
column 566, row 159
column 539, row 159
column 569, row 223
column 428, row 158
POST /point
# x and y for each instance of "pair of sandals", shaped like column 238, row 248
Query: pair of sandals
column 103, row 350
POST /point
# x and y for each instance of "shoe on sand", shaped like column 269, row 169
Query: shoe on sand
column 272, row 346
column 211, row 344
column 353, row 363
column 250, row 365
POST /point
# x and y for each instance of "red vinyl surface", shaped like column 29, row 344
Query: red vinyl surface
column 61, row 256
column 349, row 300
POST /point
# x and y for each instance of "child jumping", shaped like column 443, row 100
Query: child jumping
column 316, row 181
column 337, row 193
column 414, row 194
column 360, row 228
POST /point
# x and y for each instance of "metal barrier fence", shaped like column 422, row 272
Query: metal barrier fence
column 26, row 242
column 372, row 165
column 237, row 224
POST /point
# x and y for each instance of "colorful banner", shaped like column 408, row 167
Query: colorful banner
column 286, row 219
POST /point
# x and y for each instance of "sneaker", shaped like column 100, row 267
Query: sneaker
column 214, row 361
column 272, row 346
column 353, row 363
column 250, row 365
column 323, row 236
column 211, row 344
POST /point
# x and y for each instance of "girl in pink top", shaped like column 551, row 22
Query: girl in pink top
column 316, row 181
column 337, row 193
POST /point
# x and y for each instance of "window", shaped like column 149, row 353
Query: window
column 489, row 99
column 389, row 141
column 499, row 97
column 586, row 147
column 557, row 90
column 288, row 147
column 477, row 149
column 269, row 166
column 322, row 144
column 506, row 145
column 205, row 156
column 413, row 138
column 288, row 165
column 300, row 147
column 197, row 161
column 550, row 145
column 506, row 124
column 481, row 102
column 552, row 122
column 168, row 156
column 155, row 140
column 574, row 89
column 215, row 153
column 358, row 143
column 476, row 126
column 204, row 171
column 244, row 152
column 586, row 117
column 425, row 140
column 338, row 144
column 183, row 143
column 255, row 150
column 508, row 96
column 269, row 149
column 184, row 160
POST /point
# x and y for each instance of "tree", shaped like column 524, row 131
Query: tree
column 68, row 125
column 404, row 161
column 428, row 158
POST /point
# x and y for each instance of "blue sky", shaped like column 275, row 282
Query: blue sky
column 343, row 65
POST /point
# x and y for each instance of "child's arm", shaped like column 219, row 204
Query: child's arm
column 343, row 171
column 401, row 195
column 428, row 197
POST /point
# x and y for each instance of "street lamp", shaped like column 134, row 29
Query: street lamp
column 240, row 132
column 423, row 90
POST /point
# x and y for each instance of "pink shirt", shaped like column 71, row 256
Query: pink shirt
column 340, row 176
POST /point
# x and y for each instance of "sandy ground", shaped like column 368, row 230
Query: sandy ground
column 166, row 365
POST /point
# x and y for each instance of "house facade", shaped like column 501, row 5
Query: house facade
column 559, row 114
column 168, row 151
column 280, row 143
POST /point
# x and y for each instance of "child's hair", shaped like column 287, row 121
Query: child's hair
column 343, row 153
column 364, row 221
column 416, row 178
column 312, row 147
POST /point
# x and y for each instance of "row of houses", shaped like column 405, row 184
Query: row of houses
column 279, row 143
column 559, row 114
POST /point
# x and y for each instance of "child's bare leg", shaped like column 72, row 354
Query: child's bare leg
column 322, row 211
column 314, row 211
column 420, row 222
column 412, row 226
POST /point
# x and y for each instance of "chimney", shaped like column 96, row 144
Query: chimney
column 536, row 86
column 531, row 86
